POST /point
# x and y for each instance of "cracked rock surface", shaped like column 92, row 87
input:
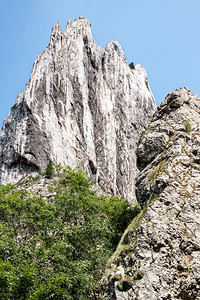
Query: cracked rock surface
column 159, row 255
column 83, row 106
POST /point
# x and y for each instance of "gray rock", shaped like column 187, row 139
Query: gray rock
column 83, row 106
column 159, row 256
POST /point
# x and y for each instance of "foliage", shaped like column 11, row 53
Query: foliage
column 58, row 249
column 49, row 170
column 188, row 126
column 132, row 66
column 124, row 285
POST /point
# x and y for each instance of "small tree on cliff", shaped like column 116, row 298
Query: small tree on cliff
column 49, row 170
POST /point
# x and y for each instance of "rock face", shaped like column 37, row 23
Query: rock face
column 83, row 106
column 159, row 256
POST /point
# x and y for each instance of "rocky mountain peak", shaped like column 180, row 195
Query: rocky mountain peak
column 83, row 106
column 81, row 26
column 180, row 98
column 179, row 112
column 56, row 33
column 74, row 30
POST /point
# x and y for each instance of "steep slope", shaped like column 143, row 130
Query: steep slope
column 159, row 255
column 82, row 106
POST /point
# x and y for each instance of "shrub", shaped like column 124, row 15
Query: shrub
column 49, row 170
column 132, row 66
column 188, row 126
column 124, row 285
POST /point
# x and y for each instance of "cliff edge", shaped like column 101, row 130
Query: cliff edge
column 159, row 254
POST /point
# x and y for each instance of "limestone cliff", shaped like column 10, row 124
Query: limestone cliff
column 83, row 106
column 159, row 255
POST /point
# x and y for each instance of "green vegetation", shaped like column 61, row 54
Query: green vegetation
column 160, row 168
column 124, row 243
column 188, row 126
column 49, row 170
column 132, row 66
column 139, row 275
column 124, row 285
column 58, row 248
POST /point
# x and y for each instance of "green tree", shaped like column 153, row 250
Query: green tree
column 58, row 249
column 49, row 170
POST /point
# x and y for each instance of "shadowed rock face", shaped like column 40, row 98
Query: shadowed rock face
column 83, row 106
column 159, row 257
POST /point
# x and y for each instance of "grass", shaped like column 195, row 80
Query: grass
column 157, row 171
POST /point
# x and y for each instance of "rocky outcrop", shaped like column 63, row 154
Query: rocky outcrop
column 159, row 255
column 83, row 106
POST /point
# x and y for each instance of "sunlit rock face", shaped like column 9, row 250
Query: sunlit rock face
column 159, row 256
column 83, row 106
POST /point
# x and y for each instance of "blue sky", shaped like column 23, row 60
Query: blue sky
column 163, row 36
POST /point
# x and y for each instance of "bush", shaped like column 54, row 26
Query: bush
column 58, row 249
column 49, row 170
column 132, row 66
column 188, row 126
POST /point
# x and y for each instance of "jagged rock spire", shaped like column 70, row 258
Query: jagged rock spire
column 83, row 106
